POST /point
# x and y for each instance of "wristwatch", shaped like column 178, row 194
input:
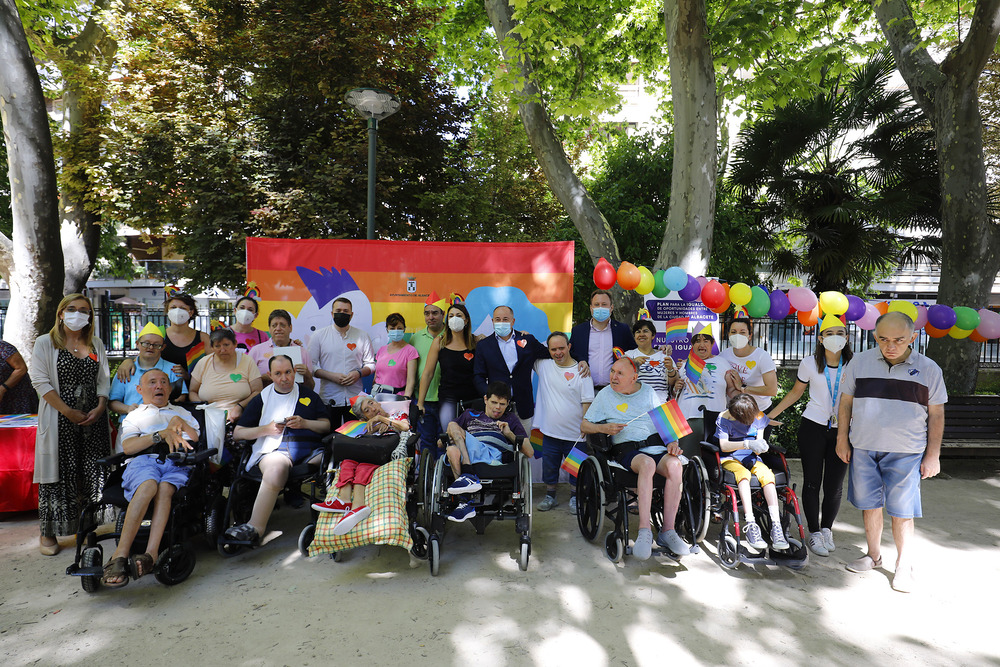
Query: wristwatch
column 157, row 438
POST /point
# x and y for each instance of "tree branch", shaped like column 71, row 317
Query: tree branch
column 922, row 74
column 966, row 61
column 6, row 256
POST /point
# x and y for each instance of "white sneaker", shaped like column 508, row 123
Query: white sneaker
column 828, row 540
column 817, row 544
column 642, row 549
column 572, row 504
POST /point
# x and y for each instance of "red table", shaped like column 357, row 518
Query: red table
column 17, row 466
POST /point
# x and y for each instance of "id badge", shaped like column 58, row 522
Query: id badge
column 833, row 422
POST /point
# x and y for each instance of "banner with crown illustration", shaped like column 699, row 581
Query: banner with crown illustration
column 383, row 277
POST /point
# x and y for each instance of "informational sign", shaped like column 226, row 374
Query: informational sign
column 673, row 308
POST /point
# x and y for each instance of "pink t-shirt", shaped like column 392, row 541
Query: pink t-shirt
column 248, row 340
column 390, row 369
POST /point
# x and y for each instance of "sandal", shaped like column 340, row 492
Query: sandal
column 116, row 567
column 140, row 565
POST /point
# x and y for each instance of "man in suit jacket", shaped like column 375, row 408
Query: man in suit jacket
column 594, row 339
column 509, row 356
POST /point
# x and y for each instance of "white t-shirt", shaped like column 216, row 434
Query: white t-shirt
column 653, row 372
column 819, row 408
column 276, row 407
column 561, row 395
column 710, row 391
column 752, row 369
column 331, row 351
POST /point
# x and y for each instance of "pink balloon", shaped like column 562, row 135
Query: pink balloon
column 989, row 323
column 802, row 298
column 867, row 322
column 702, row 281
column 921, row 317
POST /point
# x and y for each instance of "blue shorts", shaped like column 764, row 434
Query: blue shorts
column 146, row 467
column 480, row 452
column 885, row 479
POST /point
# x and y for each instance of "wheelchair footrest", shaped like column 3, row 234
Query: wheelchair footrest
column 96, row 571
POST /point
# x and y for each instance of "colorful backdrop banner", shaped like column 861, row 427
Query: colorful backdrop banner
column 383, row 277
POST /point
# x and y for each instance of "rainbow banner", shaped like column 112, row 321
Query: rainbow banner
column 669, row 421
column 694, row 367
column 536, row 442
column 353, row 428
column 676, row 330
column 571, row 463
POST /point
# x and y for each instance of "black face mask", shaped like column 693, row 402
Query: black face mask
column 341, row 319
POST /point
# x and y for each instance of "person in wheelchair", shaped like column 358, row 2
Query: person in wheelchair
column 286, row 422
column 620, row 410
column 148, row 477
column 489, row 436
column 740, row 430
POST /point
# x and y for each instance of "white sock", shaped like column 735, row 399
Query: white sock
column 748, row 516
column 775, row 515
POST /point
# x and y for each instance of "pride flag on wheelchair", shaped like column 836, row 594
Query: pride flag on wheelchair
column 669, row 421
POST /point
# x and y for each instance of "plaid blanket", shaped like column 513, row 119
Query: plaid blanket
column 387, row 524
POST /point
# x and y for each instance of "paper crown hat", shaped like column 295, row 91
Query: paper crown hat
column 356, row 403
column 831, row 321
column 151, row 329
column 706, row 330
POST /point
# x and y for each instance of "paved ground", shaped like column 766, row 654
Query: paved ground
column 572, row 606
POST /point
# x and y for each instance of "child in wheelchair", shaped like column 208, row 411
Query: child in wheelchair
column 740, row 430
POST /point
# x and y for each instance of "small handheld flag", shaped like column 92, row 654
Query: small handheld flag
column 617, row 353
column 669, row 421
column 694, row 367
column 536, row 442
column 353, row 428
column 571, row 463
column 676, row 330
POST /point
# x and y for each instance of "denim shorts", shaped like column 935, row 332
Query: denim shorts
column 146, row 467
column 885, row 479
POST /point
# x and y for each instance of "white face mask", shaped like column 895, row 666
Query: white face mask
column 834, row 343
column 456, row 323
column 738, row 341
column 75, row 321
column 178, row 315
column 242, row 316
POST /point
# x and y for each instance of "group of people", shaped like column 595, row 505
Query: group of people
column 600, row 378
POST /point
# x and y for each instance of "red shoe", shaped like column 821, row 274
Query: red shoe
column 335, row 506
column 351, row 519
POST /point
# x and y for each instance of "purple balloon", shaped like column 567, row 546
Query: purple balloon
column 941, row 316
column 779, row 305
column 855, row 308
column 691, row 291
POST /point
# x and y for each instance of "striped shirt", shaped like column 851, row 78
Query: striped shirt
column 890, row 402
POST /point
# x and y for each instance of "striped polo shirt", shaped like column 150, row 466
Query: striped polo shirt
column 890, row 402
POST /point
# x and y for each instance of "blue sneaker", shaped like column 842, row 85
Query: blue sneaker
column 465, row 484
column 462, row 512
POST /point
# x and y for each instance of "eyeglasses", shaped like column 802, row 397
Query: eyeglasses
column 150, row 346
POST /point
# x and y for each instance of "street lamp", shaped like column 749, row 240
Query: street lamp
column 373, row 105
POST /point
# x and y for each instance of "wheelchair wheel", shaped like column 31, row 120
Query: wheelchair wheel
column 527, row 497
column 214, row 519
column 425, row 480
column 522, row 559
column 91, row 557
column 175, row 565
column 695, row 502
column 437, row 488
column 420, row 536
column 729, row 551
column 306, row 538
column 434, row 555
column 590, row 499
column 614, row 547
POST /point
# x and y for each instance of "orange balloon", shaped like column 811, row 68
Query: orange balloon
column 934, row 332
column 628, row 276
column 976, row 336
column 809, row 318
column 724, row 306
column 882, row 307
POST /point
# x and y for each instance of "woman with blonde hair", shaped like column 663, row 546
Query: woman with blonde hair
column 70, row 374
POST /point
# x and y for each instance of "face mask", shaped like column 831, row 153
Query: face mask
column 341, row 319
column 395, row 335
column 75, row 321
column 245, row 316
column 602, row 314
column 738, row 341
column 502, row 329
column 834, row 343
column 456, row 323
column 178, row 315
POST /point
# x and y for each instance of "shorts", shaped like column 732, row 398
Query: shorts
column 352, row 472
column 759, row 470
column 885, row 479
column 146, row 467
column 626, row 458
column 480, row 452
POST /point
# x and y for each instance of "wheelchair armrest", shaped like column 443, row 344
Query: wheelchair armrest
column 777, row 449
column 191, row 458
column 599, row 442
column 711, row 447
column 113, row 460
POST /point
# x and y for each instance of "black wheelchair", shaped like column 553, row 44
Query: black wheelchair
column 605, row 490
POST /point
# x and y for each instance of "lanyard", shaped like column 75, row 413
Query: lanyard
column 834, row 391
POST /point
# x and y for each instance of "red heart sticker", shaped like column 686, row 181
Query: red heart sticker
column 469, row 356
column 569, row 376
column 92, row 355
column 654, row 364
column 351, row 346
column 522, row 342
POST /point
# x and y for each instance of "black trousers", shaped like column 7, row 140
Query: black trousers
column 822, row 470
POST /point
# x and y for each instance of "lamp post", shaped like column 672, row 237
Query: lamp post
column 373, row 105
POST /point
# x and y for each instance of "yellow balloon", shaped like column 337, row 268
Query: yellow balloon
column 955, row 332
column 646, row 281
column 908, row 309
column 833, row 303
column 740, row 294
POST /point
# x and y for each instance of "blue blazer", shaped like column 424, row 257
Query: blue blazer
column 621, row 336
column 489, row 366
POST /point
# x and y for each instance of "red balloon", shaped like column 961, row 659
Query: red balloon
column 713, row 294
column 976, row 336
column 628, row 276
column 604, row 274
column 934, row 332
column 809, row 318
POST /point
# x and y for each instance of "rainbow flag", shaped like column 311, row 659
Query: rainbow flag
column 617, row 353
column 194, row 355
column 676, row 330
column 353, row 428
column 694, row 367
column 571, row 463
column 536, row 442
column 669, row 421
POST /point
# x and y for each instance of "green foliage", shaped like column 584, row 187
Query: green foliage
column 787, row 435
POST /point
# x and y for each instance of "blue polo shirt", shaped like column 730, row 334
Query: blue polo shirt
column 128, row 392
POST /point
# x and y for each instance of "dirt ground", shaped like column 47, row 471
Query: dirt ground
column 573, row 606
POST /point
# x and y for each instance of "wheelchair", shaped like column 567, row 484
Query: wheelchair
column 726, row 509
column 189, row 517
column 506, row 495
column 605, row 490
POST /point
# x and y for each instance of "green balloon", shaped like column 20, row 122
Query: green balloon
column 967, row 318
column 659, row 289
column 760, row 302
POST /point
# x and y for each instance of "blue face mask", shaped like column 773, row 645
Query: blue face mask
column 602, row 314
column 396, row 335
column 502, row 329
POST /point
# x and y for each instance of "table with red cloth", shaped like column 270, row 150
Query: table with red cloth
column 17, row 463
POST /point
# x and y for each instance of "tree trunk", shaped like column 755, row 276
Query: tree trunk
column 33, row 260
column 687, row 241
column 970, row 252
